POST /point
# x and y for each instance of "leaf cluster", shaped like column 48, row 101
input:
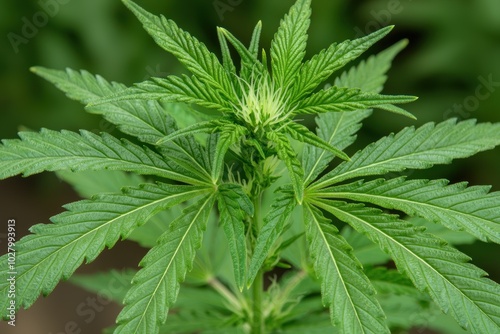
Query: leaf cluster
column 233, row 195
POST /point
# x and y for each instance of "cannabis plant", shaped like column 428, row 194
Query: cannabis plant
column 264, row 222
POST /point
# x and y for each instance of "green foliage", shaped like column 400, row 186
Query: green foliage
column 344, row 286
column 194, row 195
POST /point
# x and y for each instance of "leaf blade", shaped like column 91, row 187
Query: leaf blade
column 274, row 223
column 457, row 207
column 55, row 251
column 193, row 54
column 288, row 46
column 51, row 150
column 321, row 66
column 337, row 99
column 289, row 157
column 458, row 288
column 301, row 133
column 339, row 129
column 234, row 205
column 342, row 278
column 416, row 149
column 146, row 120
column 156, row 285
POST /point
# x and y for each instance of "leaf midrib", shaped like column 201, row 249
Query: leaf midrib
column 104, row 225
column 323, row 237
column 345, row 175
column 334, row 133
column 429, row 206
column 390, row 238
column 172, row 260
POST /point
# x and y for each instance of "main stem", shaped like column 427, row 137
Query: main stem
column 258, row 284
column 258, row 289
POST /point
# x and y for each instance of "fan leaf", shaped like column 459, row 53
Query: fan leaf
column 234, row 206
column 458, row 288
column 422, row 148
column 156, row 285
column 457, row 207
column 344, row 286
column 54, row 251
column 52, row 151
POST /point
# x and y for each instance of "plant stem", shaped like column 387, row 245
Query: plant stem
column 258, row 284
column 228, row 295
column 258, row 288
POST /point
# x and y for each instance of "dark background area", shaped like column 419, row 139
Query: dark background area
column 454, row 49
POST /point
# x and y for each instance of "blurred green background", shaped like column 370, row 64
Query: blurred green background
column 452, row 63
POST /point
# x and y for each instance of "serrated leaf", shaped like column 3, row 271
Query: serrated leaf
column 55, row 251
column 344, row 286
column 457, row 207
column 227, row 60
column 458, row 288
column 321, row 66
column 302, row 134
column 338, row 129
column 234, row 206
column 155, row 287
column 416, row 149
column 207, row 126
column 193, row 54
column 273, row 226
column 369, row 254
column 338, row 99
column 288, row 46
column 89, row 183
column 255, row 41
column 52, row 151
column 289, row 157
column 229, row 134
column 370, row 74
column 146, row 120
column 186, row 89
column 250, row 65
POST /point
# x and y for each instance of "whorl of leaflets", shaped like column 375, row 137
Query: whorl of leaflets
column 228, row 158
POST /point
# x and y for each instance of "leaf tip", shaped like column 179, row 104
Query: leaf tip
column 344, row 156
column 404, row 42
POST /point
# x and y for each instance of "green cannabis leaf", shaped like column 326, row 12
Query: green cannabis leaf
column 229, row 196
